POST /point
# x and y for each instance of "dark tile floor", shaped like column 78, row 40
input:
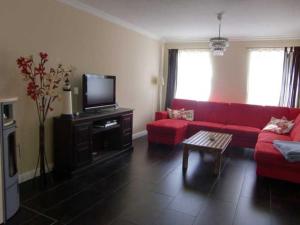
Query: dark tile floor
column 148, row 187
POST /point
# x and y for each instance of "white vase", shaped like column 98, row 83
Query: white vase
column 67, row 102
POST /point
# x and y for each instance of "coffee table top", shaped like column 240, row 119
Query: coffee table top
column 203, row 139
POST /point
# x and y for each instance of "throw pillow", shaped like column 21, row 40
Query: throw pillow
column 175, row 113
column 188, row 115
column 279, row 126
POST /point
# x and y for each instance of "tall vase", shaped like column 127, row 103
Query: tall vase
column 42, row 155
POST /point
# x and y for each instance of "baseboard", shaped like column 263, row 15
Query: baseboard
column 139, row 134
column 30, row 174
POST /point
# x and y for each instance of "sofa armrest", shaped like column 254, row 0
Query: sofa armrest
column 161, row 115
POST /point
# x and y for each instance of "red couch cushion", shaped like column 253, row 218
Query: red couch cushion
column 161, row 115
column 295, row 132
column 269, row 137
column 277, row 112
column 206, row 125
column 266, row 153
column 242, row 130
column 294, row 112
column 248, row 115
column 196, row 126
column 183, row 103
column 212, row 112
column 167, row 126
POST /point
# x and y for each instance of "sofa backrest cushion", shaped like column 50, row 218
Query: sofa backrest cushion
column 278, row 112
column 248, row 115
column 216, row 112
column 294, row 112
column 183, row 104
column 295, row 133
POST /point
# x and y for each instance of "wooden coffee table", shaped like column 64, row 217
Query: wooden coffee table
column 203, row 142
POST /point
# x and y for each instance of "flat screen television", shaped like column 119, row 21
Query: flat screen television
column 99, row 91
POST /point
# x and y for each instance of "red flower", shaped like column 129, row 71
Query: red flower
column 28, row 60
column 40, row 70
column 21, row 62
column 32, row 90
column 25, row 71
column 43, row 55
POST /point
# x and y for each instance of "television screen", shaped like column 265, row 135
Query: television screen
column 98, row 91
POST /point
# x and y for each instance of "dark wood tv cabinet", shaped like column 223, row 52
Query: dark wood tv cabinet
column 84, row 140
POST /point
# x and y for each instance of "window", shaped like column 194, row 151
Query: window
column 194, row 75
column 265, row 76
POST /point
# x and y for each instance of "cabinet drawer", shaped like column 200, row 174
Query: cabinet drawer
column 81, row 134
column 127, row 139
column 127, row 122
column 82, row 155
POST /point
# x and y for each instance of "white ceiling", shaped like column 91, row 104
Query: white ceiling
column 191, row 20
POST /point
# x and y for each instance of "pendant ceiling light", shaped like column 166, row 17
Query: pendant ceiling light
column 218, row 44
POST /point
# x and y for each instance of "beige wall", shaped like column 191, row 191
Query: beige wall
column 229, row 81
column 86, row 42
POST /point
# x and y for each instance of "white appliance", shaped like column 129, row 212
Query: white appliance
column 9, row 186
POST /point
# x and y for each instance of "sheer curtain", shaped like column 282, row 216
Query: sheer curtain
column 265, row 76
column 194, row 75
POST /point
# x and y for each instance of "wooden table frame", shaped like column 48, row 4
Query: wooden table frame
column 217, row 151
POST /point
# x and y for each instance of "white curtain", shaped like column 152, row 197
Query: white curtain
column 265, row 76
column 194, row 75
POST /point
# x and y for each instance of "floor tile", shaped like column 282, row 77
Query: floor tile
column 141, row 216
column 23, row 215
column 173, row 217
column 285, row 211
column 147, row 209
column 40, row 220
column 32, row 188
column 251, row 211
column 171, row 184
column 56, row 195
column 284, row 189
column 189, row 202
column 229, row 184
column 255, row 187
column 67, row 210
column 122, row 222
column 104, row 212
column 216, row 213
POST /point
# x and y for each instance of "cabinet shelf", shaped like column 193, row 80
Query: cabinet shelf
column 102, row 129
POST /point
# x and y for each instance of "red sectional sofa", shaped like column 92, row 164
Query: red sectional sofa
column 244, row 121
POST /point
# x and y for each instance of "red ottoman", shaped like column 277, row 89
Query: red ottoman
column 167, row 131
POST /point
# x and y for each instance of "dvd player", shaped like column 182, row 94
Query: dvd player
column 107, row 124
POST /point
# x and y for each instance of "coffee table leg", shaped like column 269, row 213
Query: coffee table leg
column 185, row 158
column 218, row 164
